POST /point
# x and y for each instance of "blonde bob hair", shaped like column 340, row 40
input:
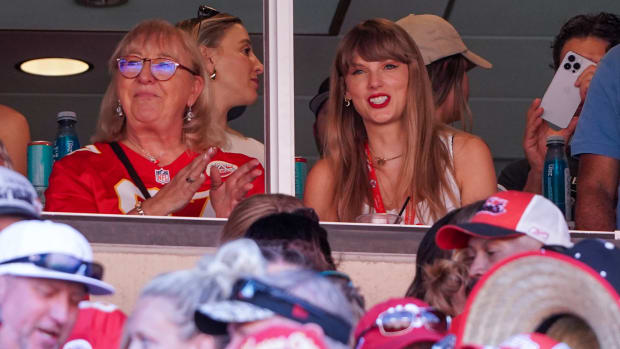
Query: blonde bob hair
column 199, row 133
column 426, row 158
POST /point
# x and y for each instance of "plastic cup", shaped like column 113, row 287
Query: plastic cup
column 379, row 218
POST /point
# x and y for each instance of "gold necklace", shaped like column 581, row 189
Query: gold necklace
column 380, row 161
column 146, row 154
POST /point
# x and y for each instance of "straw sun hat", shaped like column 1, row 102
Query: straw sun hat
column 523, row 291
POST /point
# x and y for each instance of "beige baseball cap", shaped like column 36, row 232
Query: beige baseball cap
column 436, row 39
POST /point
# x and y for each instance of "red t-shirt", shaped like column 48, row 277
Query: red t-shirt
column 98, row 326
column 93, row 180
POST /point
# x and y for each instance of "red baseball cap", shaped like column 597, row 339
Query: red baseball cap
column 285, row 337
column 509, row 214
column 99, row 326
column 368, row 333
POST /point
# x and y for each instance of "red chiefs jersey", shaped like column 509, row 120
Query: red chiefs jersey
column 98, row 326
column 93, row 180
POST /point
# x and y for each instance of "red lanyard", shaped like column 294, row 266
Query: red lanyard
column 376, row 194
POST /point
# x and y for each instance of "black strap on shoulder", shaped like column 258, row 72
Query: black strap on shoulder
column 132, row 172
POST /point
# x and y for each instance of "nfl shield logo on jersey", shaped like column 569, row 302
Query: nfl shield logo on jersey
column 162, row 176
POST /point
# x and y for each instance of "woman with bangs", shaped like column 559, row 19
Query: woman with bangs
column 385, row 151
column 153, row 153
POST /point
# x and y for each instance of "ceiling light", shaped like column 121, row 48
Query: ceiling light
column 54, row 66
column 101, row 3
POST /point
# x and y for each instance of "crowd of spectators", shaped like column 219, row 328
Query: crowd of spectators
column 501, row 272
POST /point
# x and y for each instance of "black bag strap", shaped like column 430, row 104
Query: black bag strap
column 132, row 172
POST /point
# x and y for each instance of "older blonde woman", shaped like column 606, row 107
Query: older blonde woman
column 153, row 153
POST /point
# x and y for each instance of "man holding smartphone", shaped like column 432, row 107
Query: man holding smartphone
column 590, row 36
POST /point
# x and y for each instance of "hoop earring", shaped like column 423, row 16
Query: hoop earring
column 212, row 76
column 347, row 102
column 119, row 109
column 188, row 114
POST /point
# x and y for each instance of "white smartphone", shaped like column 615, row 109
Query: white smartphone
column 562, row 98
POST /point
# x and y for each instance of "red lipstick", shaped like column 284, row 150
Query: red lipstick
column 379, row 100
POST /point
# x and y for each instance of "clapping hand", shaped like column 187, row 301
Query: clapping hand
column 226, row 195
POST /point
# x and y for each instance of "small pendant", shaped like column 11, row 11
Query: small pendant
column 380, row 161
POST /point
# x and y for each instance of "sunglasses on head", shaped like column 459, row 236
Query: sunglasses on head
column 205, row 12
column 401, row 319
column 162, row 69
column 284, row 304
column 62, row 263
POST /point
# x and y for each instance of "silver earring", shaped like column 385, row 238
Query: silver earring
column 212, row 76
column 188, row 114
column 347, row 102
column 119, row 109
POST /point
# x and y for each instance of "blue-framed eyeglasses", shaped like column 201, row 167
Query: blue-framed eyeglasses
column 162, row 69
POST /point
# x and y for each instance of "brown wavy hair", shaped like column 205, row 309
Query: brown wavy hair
column 198, row 134
column 254, row 208
column 426, row 158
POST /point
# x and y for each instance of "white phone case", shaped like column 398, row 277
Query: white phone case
column 562, row 97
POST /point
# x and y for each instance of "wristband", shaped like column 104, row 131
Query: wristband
column 139, row 209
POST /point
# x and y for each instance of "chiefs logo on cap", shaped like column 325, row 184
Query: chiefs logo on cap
column 225, row 168
column 494, row 206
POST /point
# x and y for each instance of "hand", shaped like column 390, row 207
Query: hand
column 536, row 132
column 583, row 81
column 226, row 195
column 176, row 194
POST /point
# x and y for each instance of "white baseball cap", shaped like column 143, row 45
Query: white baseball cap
column 33, row 238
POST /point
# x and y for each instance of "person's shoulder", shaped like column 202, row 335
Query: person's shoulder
column 613, row 54
column 467, row 141
column 11, row 117
column 322, row 167
column 87, row 156
column 321, row 175
column 609, row 65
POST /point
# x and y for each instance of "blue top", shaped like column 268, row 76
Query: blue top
column 598, row 129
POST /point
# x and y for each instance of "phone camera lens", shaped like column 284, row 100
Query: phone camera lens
column 576, row 66
column 567, row 66
column 571, row 58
